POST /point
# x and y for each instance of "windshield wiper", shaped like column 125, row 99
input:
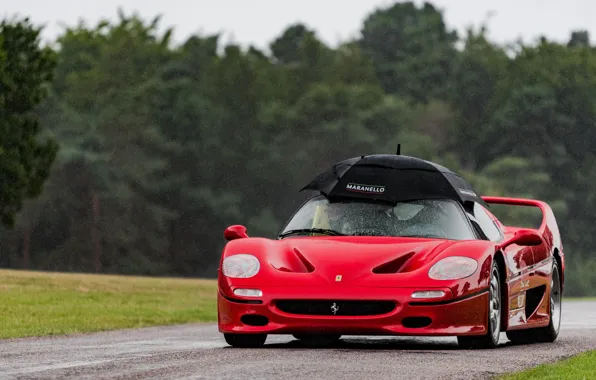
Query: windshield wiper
column 421, row 236
column 368, row 233
column 323, row 231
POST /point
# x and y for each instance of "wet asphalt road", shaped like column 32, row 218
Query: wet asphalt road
column 199, row 352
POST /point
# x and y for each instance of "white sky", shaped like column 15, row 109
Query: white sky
column 258, row 22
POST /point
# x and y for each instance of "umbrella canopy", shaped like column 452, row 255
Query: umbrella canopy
column 392, row 178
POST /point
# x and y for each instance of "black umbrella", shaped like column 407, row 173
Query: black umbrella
column 392, row 178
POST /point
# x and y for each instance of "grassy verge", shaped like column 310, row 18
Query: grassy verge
column 577, row 368
column 37, row 303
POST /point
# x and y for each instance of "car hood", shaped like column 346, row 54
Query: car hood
column 361, row 261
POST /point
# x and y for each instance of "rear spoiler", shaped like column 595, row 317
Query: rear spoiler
column 544, row 208
column 549, row 228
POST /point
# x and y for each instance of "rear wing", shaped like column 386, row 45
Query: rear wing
column 548, row 228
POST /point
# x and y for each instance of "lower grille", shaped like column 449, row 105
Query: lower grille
column 337, row 308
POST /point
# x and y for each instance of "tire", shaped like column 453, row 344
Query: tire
column 495, row 310
column 549, row 333
column 317, row 339
column 245, row 340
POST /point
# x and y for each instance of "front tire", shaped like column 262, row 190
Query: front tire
column 245, row 340
column 549, row 333
column 491, row 339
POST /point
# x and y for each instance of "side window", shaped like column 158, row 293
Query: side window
column 475, row 225
column 489, row 227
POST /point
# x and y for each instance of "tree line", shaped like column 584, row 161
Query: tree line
column 122, row 152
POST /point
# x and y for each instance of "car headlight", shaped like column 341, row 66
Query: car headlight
column 453, row 268
column 241, row 266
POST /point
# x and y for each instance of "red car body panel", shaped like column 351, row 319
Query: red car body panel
column 363, row 268
column 530, row 267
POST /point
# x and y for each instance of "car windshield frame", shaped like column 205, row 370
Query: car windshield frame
column 468, row 232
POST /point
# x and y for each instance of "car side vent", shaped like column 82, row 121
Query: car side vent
column 533, row 298
column 393, row 266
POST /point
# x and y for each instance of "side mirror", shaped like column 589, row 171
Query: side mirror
column 524, row 238
column 235, row 232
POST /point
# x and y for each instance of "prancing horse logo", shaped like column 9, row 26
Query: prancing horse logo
column 334, row 308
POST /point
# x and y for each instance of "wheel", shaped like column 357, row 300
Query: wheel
column 317, row 339
column 549, row 333
column 491, row 339
column 245, row 340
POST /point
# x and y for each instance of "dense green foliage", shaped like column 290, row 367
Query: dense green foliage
column 24, row 161
column 163, row 146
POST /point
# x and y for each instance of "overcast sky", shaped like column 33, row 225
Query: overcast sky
column 259, row 21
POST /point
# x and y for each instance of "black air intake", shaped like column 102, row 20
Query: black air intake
column 335, row 308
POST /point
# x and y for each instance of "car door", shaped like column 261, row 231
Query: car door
column 519, row 261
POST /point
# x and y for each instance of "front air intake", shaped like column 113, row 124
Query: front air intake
column 335, row 308
column 416, row 322
column 254, row 320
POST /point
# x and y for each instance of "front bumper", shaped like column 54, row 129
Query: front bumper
column 464, row 316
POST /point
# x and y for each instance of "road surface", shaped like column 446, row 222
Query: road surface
column 199, row 352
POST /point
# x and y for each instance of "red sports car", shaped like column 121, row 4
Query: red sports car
column 394, row 245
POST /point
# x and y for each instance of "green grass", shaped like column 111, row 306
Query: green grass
column 38, row 303
column 581, row 367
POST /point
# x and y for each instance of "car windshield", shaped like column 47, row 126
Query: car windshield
column 430, row 218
